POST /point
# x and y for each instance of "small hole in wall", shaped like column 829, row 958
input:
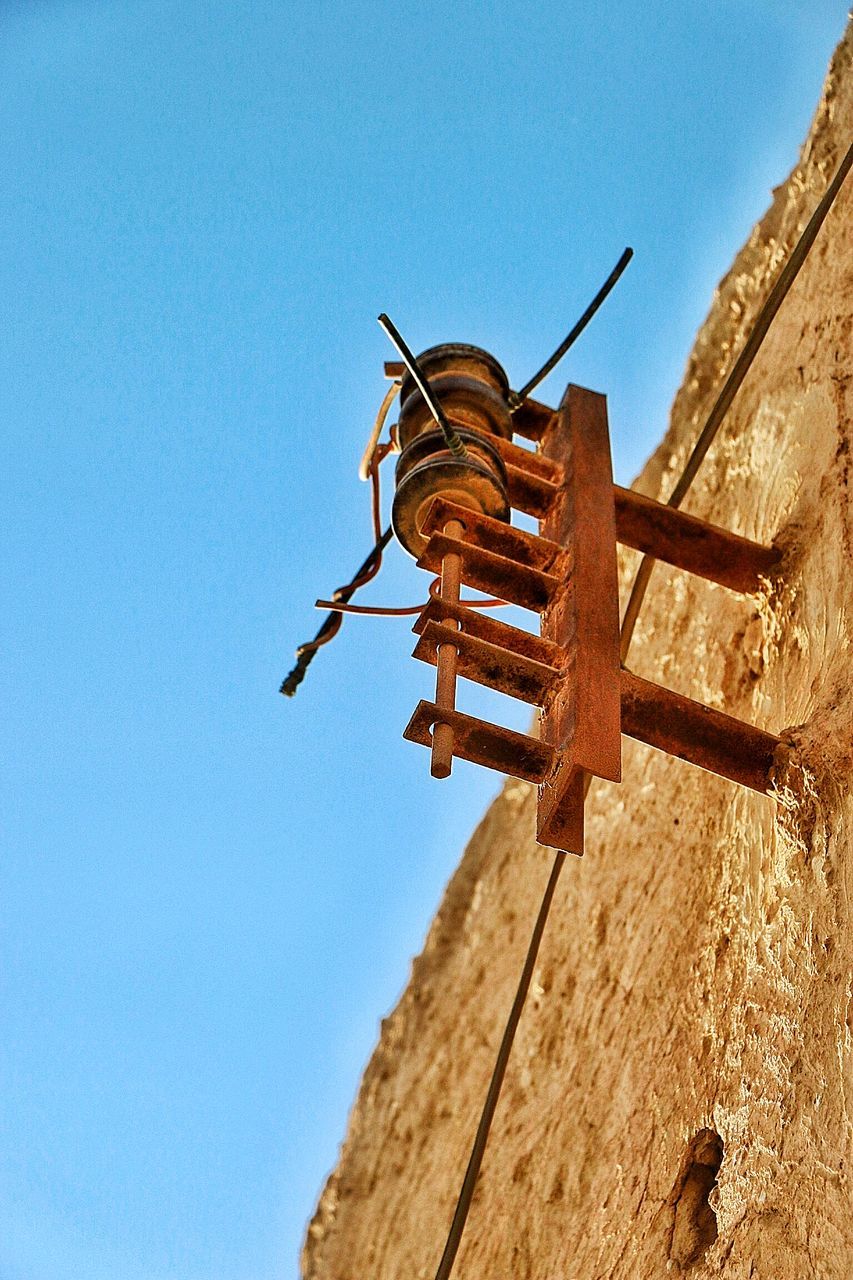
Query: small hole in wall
column 694, row 1223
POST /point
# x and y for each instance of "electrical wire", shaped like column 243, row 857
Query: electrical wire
column 730, row 387
column 364, row 467
column 469, row 1183
column 332, row 624
column 626, row 632
column 517, row 398
column 375, row 611
column 368, row 570
column 454, row 443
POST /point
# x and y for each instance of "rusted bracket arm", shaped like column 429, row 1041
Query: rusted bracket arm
column 535, row 481
column 697, row 733
column 692, row 544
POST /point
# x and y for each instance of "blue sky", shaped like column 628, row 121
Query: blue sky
column 210, row 894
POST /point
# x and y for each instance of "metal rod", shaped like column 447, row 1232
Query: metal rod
column 692, row 731
column 446, row 661
column 454, row 444
column 517, row 398
column 739, row 370
column 445, row 1267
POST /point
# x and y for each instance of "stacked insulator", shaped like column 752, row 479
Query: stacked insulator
column 472, row 389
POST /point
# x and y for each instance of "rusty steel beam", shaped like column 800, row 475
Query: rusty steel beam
column 548, row 470
column 489, row 664
column 528, row 492
column 532, row 480
column 584, row 718
column 496, row 535
column 496, row 574
column 701, row 735
column 560, row 812
column 485, row 627
column 532, row 419
column 692, row 544
column 581, row 717
column 485, row 744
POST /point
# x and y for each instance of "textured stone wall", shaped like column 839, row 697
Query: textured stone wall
column 680, row 1095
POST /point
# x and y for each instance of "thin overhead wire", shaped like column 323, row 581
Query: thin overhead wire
column 730, row 387
column 457, row 1226
column 517, row 398
column 626, row 632
column 400, row 611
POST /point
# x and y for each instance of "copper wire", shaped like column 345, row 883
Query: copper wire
column 372, row 447
column 379, row 611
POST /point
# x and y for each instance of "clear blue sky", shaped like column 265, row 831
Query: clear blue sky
column 210, row 894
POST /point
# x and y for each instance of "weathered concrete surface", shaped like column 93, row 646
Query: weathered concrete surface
column 693, row 996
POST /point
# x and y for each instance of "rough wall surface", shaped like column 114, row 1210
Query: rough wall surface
column 680, row 1095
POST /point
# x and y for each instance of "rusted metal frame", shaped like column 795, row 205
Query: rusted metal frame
column 668, row 721
column 490, row 664
column 490, row 745
column 485, row 627
column 532, row 480
column 670, row 535
column 496, row 574
column 533, row 419
column 548, row 470
column 697, row 733
column 446, row 659
column 482, row 531
column 529, row 493
column 582, row 716
column 692, row 544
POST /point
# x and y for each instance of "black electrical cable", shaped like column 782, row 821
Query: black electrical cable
column 477, row 1151
column 730, row 387
column 454, row 444
column 332, row 622
column 517, row 398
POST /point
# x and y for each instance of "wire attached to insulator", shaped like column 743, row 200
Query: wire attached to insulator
column 365, row 573
column 454, row 444
column 379, row 611
column 366, row 463
column 517, row 398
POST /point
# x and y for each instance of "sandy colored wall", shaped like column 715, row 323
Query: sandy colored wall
column 692, row 1003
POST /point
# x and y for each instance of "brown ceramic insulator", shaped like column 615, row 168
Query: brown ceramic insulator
column 427, row 470
column 467, row 402
column 459, row 358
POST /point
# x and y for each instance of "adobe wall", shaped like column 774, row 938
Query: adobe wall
column 692, row 1003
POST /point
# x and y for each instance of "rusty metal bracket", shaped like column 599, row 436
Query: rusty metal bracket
column 567, row 574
